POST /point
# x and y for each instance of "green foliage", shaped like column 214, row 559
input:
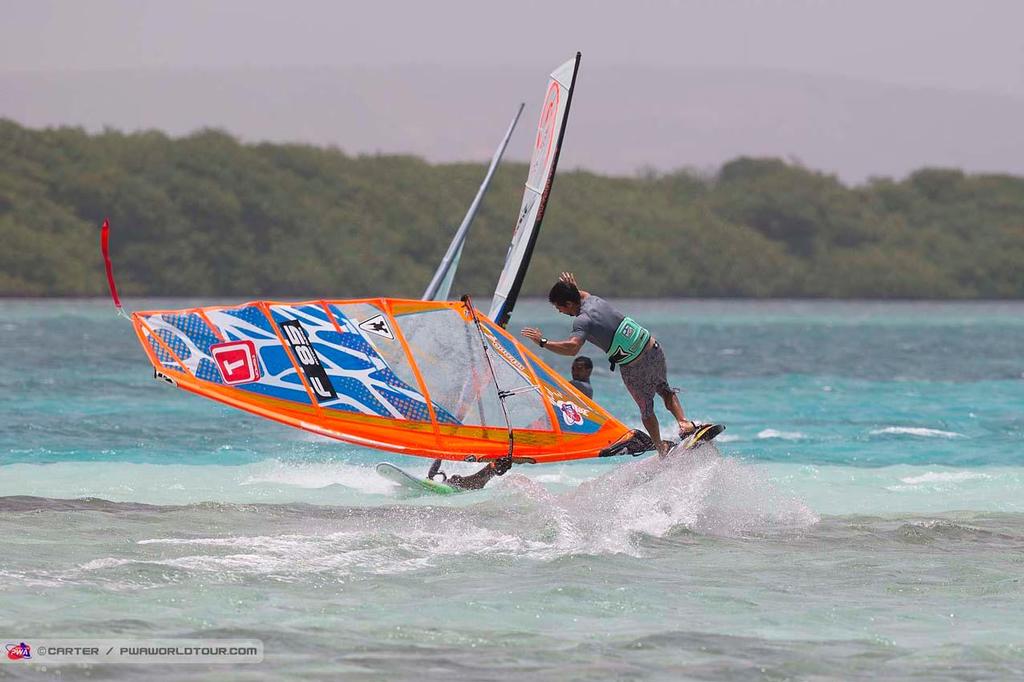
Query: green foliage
column 208, row 215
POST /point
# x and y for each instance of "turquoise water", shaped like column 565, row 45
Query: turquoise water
column 862, row 516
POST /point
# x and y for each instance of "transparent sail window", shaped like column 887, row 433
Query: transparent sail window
column 450, row 356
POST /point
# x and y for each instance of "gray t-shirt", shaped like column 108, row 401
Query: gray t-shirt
column 597, row 322
column 584, row 387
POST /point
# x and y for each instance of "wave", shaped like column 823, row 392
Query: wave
column 987, row 532
column 915, row 431
column 117, row 488
column 633, row 508
column 781, row 435
column 515, row 526
column 945, row 477
column 315, row 475
column 952, row 481
column 621, row 512
column 838, row 490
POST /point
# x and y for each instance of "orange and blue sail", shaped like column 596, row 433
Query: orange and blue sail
column 401, row 375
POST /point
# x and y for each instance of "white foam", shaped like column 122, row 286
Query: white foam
column 553, row 478
column 108, row 562
column 571, row 475
column 396, row 542
column 259, row 541
column 30, row 579
column 781, row 435
column 312, row 475
column 916, row 431
column 944, row 477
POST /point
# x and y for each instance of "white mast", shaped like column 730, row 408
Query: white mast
column 441, row 282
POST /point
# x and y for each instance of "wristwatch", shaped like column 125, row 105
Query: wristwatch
column 543, row 341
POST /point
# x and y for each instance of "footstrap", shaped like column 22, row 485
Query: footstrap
column 633, row 443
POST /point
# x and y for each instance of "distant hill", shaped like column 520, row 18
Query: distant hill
column 623, row 119
column 207, row 215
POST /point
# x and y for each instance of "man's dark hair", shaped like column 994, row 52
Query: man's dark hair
column 585, row 361
column 563, row 293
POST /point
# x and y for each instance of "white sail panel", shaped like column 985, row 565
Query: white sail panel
column 543, row 161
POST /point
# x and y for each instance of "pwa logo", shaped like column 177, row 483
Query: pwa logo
column 236, row 361
column 570, row 413
column 19, row 652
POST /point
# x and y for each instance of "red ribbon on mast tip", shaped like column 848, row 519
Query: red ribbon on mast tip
column 105, row 247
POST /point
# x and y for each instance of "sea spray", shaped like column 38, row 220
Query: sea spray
column 699, row 491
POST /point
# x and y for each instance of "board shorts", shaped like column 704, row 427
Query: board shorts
column 645, row 377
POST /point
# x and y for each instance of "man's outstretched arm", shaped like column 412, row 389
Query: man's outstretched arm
column 570, row 346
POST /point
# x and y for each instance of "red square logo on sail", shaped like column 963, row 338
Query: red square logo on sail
column 236, row 361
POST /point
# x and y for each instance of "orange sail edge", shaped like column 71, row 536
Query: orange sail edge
column 382, row 437
column 403, row 351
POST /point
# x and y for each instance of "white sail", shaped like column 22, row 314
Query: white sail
column 441, row 283
column 547, row 144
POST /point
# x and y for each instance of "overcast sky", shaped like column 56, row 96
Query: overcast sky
column 968, row 47
column 941, row 43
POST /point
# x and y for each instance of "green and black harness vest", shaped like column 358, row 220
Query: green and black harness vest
column 629, row 342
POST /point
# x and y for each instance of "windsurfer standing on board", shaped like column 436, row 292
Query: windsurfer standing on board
column 628, row 345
